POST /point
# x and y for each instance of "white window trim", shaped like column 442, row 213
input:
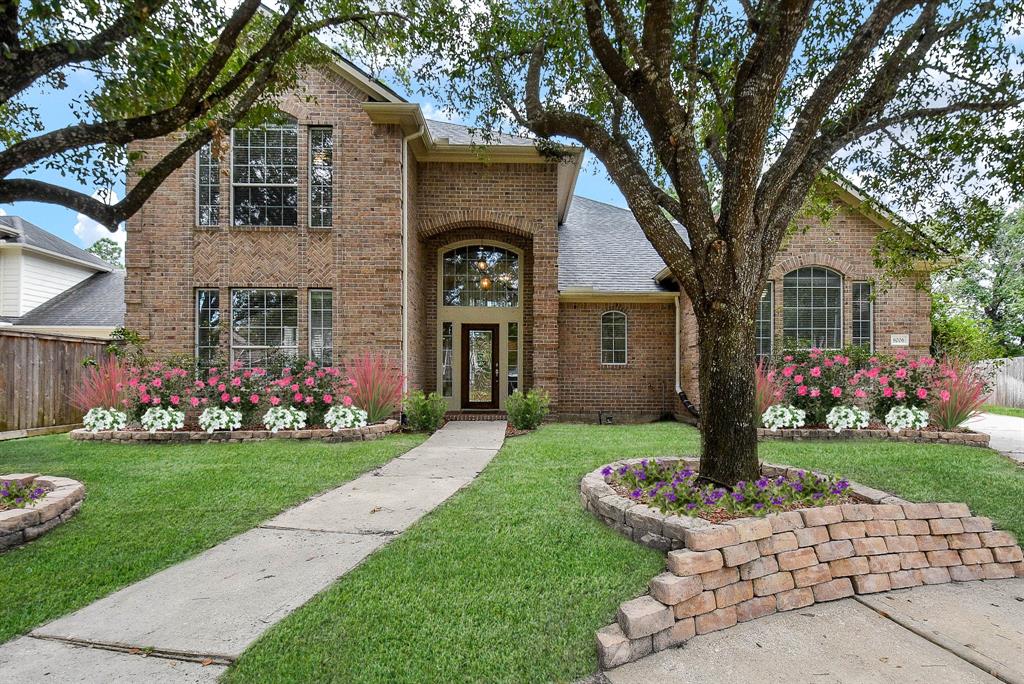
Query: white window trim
column 231, row 321
column 309, row 175
column 842, row 304
column 625, row 322
column 231, row 184
column 309, row 319
column 871, row 312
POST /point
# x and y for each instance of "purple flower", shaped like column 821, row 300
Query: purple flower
column 779, row 480
column 623, row 470
column 690, row 506
column 742, row 484
column 606, row 471
column 797, row 486
column 737, row 497
column 777, row 501
column 758, row 506
column 672, row 497
column 636, row 493
column 817, row 495
column 762, row 483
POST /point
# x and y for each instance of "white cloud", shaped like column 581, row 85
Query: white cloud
column 3, row 213
column 432, row 111
column 89, row 231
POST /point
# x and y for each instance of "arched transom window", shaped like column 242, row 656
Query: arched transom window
column 480, row 275
column 812, row 307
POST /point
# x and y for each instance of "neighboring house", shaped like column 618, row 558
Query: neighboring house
column 49, row 285
column 352, row 224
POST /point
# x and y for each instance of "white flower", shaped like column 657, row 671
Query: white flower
column 103, row 419
column 159, row 418
column 847, row 418
column 284, row 418
column 779, row 416
column 214, row 418
column 906, row 417
column 340, row 417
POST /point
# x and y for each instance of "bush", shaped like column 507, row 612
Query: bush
column 847, row 418
column 766, row 390
column 779, row 416
column 906, row 418
column 344, row 417
column 958, row 394
column 376, row 385
column 425, row 411
column 158, row 418
column 102, row 385
column 526, row 411
column 100, row 419
column 214, row 418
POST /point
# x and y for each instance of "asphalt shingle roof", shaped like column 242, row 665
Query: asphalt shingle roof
column 458, row 134
column 31, row 235
column 97, row 300
column 602, row 248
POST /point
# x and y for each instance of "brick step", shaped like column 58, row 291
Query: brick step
column 476, row 415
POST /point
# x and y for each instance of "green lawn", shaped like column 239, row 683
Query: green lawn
column 148, row 507
column 1004, row 410
column 509, row 580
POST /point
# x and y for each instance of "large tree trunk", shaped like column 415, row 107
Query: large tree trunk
column 728, row 430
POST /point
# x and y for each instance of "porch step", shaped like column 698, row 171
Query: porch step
column 476, row 415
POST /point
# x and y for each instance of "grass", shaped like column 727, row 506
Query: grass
column 148, row 507
column 509, row 580
column 1004, row 410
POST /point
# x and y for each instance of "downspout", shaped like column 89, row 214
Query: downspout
column 687, row 404
column 405, row 255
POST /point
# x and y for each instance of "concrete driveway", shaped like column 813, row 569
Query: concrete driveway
column 1007, row 433
column 963, row 633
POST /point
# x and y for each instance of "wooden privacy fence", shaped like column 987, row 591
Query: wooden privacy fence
column 1008, row 382
column 37, row 373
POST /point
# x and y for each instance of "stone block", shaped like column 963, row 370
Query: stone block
column 825, row 515
column 997, row 538
column 652, row 541
column 871, row 583
column 751, row 529
column 946, row 526
column 889, row 512
column 740, row 553
column 811, row 536
column 785, row 522
column 901, row 544
column 979, row 556
column 934, row 575
column 913, row 560
column 858, row 512
column 929, row 542
column 731, row 594
column 644, row 519
column 1018, row 569
column 977, row 524
column 714, row 537
column 17, row 519
column 954, row 510
column 846, row 567
column 942, row 559
column 846, row 530
column 613, row 507
column 777, row 543
column 19, row 479
column 687, row 562
column 774, row 583
column 967, row 540
column 644, row 616
column 675, row 526
column 798, row 558
column 676, row 635
column 833, row 589
column 719, row 578
column 793, row 599
column 869, row 546
column 613, row 648
column 701, row 603
column 815, row 574
column 966, row 573
column 913, row 527
column 880, row 528
column 759, row 567
column 670, row 589
column 722, row 618
column 920, row 511
column 999, row 570
column 904, row 579
column 834, row 550
column 755, row 608
column 1007, row 554
column 890, row 562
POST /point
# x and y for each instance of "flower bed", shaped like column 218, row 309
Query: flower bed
column 960, row 437
column 746, row 568
column 61, row 498
column 367, row 432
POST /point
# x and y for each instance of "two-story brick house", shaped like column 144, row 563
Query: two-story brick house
column 351, row 223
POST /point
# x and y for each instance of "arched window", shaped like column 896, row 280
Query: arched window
column 613, row 337
column 812, row 308
column 480, row 275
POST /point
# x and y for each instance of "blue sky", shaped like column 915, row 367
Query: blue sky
column 55, row 108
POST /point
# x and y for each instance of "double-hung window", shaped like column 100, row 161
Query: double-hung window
column 863, row 316
column 321, row 177
column 265, row 175
column 763, row 325
column 207, row 327
column 613, row 338
column 207, row 187
column 321, row 325
column 264, row 322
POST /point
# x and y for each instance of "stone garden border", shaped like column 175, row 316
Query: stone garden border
column 977, row 439
column 20, row 525
column 743, row 569
column 178, row 436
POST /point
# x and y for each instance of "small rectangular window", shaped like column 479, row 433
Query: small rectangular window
column 763, row 325
column 447, row 338
column 613, row 338
column 863, row 316
column 264, row 323
column 321, row 177
column 207, row 327
column 321, row 327
column 207, row 187
column 513, row 357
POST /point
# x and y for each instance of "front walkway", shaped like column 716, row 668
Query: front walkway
column 971, row 632
column 1007, row 433
column 210, row 608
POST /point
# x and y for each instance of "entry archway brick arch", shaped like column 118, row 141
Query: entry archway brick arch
column 455, row 219
column 844, row 268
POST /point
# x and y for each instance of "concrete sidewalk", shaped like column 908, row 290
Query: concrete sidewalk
column 210, row 608
column 1006, row 432
column 971, row 633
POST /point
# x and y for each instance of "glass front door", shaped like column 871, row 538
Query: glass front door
column 480, row 366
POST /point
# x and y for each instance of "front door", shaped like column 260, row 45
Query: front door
column 480, row 365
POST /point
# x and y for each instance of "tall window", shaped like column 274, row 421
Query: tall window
column 265, row 175
column 812, row 308
column 513, row 357
column 263, row 322
column 321, row 322
column 447, row 350
column 763, row 325
column 863, row 316
column 480, row 275
column 207, row 327
column 207, row 187
column 321, row 177
column 613, row 337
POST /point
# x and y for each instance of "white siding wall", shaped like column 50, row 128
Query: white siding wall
column 10, row 282
column 43, row 278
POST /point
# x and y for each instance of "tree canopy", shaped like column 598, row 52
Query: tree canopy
column 108, row 250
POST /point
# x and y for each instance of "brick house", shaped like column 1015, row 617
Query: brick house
column 351, row 223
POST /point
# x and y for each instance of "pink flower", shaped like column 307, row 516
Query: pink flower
column 194, row 401
column 815, row 392
column 200, row 384
column 873, row 372
column 225, row 397
column 295, row 387
column 310, row 382
column 816, row 372
column 887, row 392
column 901, row 373
column 798, row 378
column 309, row 399
column 254, row 398
column 860, row 394
column 235, row 400
column 237, row 365
column 788, row 371
column 247, row 374
column 827, row 363
column 787, row 357
column 236, row 382
column 286, row 371
column 222, row 387
column 778, row 394
column 142, row 387
column 175, row 399
column 347, row 401
column 883, row 380
column 157, row 382
column 133, row 382
column 944, row 395
column 156, row 401
column 144, row 398
column 802, row 390
column 274, row 401
column 837, row 392
column 900, row 394
column 328, row 398
column 298, row 396
column 922, row 393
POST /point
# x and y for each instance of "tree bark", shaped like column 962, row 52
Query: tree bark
column 728, row 432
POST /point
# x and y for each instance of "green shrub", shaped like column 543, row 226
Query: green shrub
column 425, row 411
column 526, row 411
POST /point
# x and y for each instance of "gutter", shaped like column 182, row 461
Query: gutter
column 687, row 404
column 405, row 253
